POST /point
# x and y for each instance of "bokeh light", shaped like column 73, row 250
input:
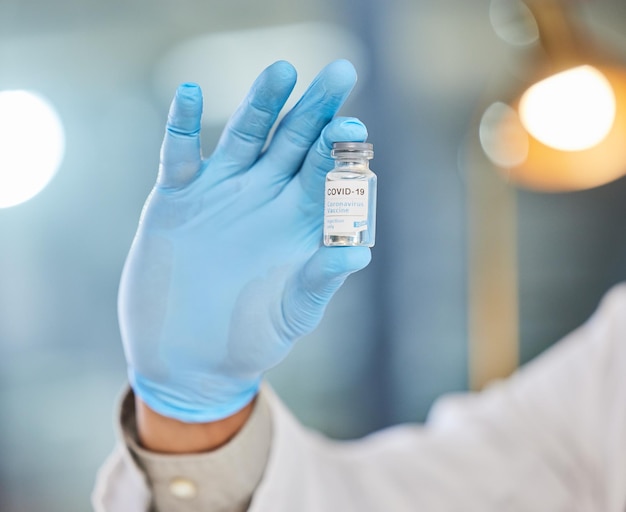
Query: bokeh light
column 32, row 145
column 571, row 111
column 502, row 136
column 513, row 22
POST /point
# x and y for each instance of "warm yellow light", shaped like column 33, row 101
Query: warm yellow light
column 571, row 111
column 32, row 144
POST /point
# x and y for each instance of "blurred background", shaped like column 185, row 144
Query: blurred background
column 396, row 336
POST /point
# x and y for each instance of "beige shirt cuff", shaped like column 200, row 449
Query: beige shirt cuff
column 223, row 480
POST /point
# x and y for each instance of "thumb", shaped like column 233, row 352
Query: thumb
column 180, row 153
column 310, row 290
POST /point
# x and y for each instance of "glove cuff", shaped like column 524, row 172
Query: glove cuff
column 194, row 407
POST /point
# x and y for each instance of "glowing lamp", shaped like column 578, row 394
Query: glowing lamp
column 572, row 110
column 567, row 129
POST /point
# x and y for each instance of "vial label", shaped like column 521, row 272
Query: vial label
column 345, row 207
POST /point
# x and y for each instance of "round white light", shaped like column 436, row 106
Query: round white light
column 32, row 144
column 570, row 111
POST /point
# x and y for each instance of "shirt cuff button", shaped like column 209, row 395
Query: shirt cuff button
column 183, row 488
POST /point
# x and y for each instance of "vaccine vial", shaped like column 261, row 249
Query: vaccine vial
column 350, row 196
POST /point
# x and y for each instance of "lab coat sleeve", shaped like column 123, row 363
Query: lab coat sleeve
column 550, row 438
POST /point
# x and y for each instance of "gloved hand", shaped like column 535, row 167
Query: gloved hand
column 226, row 269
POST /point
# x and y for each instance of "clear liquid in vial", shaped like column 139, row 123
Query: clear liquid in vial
column 350, row 207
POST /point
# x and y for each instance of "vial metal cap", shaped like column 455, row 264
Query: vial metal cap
column 354, row 149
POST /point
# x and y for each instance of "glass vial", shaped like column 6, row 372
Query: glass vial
column 350, row 196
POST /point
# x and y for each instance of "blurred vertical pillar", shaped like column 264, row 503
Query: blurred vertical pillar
column 493, row 312
column 419, row 262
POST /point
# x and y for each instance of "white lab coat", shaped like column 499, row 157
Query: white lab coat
column 551, row 438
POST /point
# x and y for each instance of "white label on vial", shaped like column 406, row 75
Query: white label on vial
column 345, row 207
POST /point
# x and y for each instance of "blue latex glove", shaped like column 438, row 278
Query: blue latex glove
column 226, row 270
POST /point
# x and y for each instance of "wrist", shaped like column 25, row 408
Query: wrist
column 163, row 434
